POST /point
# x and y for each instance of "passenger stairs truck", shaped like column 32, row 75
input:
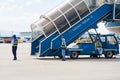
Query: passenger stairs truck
column 72, row 19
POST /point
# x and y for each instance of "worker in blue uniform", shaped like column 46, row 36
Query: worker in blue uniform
column 63, row 46
column 14, row 47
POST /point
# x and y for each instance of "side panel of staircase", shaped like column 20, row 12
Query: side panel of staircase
column 74, row 32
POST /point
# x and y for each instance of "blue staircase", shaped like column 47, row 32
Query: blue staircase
column 35, row 45
column 50, row 46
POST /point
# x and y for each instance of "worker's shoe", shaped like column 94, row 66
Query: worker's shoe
column 15, row 59
column 99, row 55
column 63, row 59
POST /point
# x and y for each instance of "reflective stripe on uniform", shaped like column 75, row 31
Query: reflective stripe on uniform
column 15, row 43
column 63, row 45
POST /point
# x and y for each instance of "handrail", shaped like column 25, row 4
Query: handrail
column 75, row 24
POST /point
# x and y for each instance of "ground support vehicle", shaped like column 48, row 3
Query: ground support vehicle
column 109, row 44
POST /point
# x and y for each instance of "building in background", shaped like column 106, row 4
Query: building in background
column 25, row 36
column 5, row 36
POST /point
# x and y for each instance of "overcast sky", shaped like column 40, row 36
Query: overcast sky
column 17, row 15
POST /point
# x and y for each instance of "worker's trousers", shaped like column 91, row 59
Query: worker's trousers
column 100, row 50
column 14, row 50
column 63, row 54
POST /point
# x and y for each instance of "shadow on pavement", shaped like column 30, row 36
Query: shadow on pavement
column 82, row 59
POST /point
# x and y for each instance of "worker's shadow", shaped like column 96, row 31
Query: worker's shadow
column 47, row 58
column 81, row 59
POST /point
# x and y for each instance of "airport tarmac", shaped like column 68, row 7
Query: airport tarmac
column 34, row 68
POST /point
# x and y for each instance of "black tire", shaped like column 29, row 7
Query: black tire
column 109, row 54
column 74, row 55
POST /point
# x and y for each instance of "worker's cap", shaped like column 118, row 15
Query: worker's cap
column 14, row 36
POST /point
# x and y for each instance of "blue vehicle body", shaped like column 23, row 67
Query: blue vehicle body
column 110, row 47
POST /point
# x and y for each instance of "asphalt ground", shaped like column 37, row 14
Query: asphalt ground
column 29, row 67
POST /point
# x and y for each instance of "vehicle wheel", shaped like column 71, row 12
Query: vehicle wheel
column 74, row 55
column 109, row 54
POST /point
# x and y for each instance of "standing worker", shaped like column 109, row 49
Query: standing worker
column 63, row 46
column 98, row 46
column 14, row 47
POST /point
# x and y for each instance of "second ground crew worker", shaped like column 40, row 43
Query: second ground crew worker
column 63, row 46
column 14, row 46
column 98, row 46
